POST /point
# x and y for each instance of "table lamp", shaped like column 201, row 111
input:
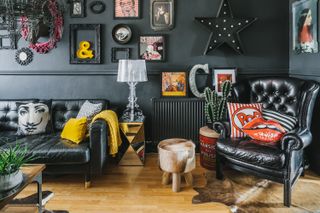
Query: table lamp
column 132, row 72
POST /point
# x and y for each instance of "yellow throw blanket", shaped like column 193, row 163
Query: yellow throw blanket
column 114, row 132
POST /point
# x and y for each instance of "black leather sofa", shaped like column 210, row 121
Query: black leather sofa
column 60, row 156
column 283, row 162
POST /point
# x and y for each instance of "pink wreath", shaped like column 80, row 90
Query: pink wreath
column 55, row 32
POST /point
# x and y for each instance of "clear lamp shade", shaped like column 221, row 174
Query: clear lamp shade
column 132, row 71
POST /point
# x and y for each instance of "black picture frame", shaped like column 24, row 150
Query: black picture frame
column 115, row 30
column 162, row 53
column 75, row 30
column 79, row 14
column 175, row 95
column 114, row 52
column 139, row 7
column 12, row 39
column 168, row 16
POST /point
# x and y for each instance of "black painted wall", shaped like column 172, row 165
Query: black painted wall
column 307, row 66
column 51, row 75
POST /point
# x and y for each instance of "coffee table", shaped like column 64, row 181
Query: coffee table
column 31, row 173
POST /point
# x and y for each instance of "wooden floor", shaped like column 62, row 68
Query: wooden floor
column 124, row 189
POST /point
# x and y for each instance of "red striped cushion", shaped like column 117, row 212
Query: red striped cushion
column 240, row 115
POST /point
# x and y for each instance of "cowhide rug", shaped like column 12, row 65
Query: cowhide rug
column 244, row 193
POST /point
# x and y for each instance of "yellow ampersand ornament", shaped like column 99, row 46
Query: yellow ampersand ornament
column 83, row 51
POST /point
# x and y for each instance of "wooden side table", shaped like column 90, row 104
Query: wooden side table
column 134, row 144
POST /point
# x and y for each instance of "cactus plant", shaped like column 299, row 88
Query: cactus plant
column 215, row 107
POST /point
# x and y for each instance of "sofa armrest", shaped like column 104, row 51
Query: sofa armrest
column 98, row 146
column 296, row 140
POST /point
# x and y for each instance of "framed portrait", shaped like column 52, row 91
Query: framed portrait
column 174, row 84
column 162, row 14
column 221, row 75
column 78, row 9
column 305, row 26
column 85, row 44
column 127, row 9
column 152, row 48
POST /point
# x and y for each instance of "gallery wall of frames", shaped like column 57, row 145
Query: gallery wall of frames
column 96, row 34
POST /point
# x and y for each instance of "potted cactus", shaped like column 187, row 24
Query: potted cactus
column 215, row 107
column 215, row 110
column 11, row 160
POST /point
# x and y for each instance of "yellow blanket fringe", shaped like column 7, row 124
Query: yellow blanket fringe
column 114, row 132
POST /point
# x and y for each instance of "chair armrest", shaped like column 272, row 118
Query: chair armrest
column 98, row 146
column 296, row 140
column 223, row 128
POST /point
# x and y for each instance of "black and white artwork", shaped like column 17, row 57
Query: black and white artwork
column 77, row 9
column 33, row 118
column 122, row 34
column 162, row 14
column 119, row 54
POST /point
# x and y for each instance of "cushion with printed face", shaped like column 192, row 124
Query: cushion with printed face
column 34, row 117
column 240, row 115
column 264, row 130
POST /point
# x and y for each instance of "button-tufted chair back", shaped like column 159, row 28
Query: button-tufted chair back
column 62, row 111
column 276, row 93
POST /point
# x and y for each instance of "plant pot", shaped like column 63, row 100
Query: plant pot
column 10, row 181
column 208, row 141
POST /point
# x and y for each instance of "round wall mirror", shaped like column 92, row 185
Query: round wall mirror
column 24, row 56
column 122, row 34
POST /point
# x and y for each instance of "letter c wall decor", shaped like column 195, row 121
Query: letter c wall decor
column 192, row 79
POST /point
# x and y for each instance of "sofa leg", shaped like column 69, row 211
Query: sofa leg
column 87, row 183
column 219, row 172
column 287, row 193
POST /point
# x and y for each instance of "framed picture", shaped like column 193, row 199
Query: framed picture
column 305, row 26
column 162, row 14
column 122, row 34
column 222, row 75
column 78, row 9
column 127, row 9
column 152, row 48
column 119, row 53
column 174, row 84
column 85, row 44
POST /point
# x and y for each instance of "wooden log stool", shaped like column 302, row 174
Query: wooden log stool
column 176, row 157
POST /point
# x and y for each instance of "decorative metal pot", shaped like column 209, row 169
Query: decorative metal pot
column 10, row 181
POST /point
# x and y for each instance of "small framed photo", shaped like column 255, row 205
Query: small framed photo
column 221, row 75
column 152, row 48
column 78, row 9
column 305, row 26
column 119, row 53
column 127, row 9
column 174, row 84
column 162, row 14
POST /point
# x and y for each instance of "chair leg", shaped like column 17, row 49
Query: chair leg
column 219, row 167
column 287, row 193
column 87, row 183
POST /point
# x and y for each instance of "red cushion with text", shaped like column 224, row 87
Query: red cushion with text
column 240, row 115
column 264, row 130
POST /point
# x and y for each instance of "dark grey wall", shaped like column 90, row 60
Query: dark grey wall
column 306, row 66
column 53, row 77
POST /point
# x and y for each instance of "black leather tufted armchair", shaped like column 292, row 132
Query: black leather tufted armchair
column 283, row 162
